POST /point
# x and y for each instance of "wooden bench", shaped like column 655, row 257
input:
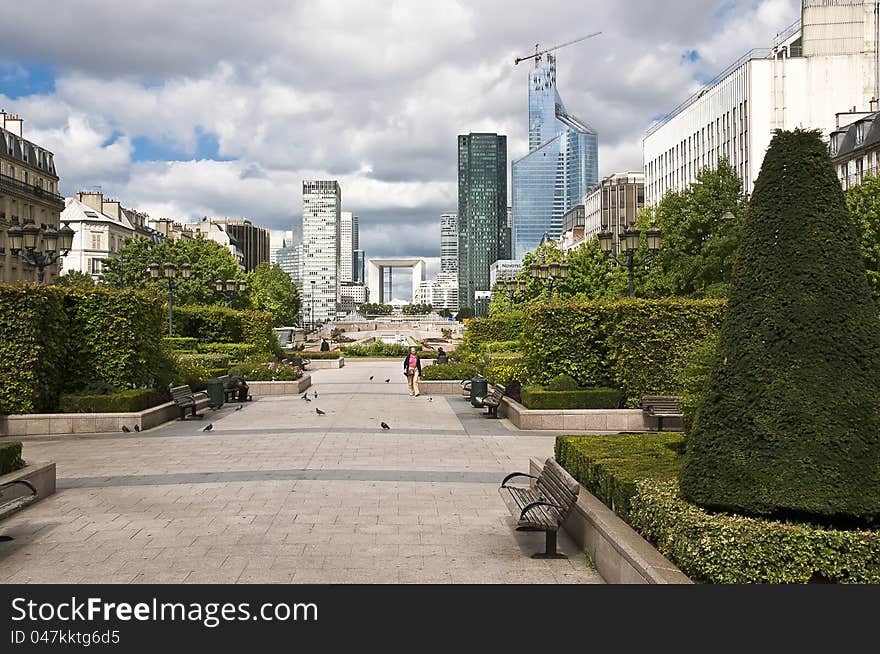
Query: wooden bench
column 492, row 401
column 15, row 503
column 660, row 407
column 184, row 397
column 465, row 387
column 230, row 392
column 543, row 507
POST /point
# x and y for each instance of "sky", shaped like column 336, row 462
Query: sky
column 186, row 108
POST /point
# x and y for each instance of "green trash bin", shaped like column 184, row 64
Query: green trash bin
column 215, row 392
column 479, row 388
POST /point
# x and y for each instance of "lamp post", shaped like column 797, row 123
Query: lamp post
column 229, row 287
column 548, row 273
column 314, row 283
column 170, row 273
column 510, row 286
column 629, row 245
column 39, row 246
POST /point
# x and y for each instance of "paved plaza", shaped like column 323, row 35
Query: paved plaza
column 277, row 493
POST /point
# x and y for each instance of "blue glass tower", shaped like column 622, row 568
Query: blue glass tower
column 561, row 166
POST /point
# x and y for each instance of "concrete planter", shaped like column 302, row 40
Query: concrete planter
column 326, row 364
column 439, row 387
column 613, row 420
column 621, row 555
column 41, row 475
column 275, row 389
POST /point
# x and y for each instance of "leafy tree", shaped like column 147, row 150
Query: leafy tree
column 270, row 289
column 789, row 422
column 591, row 276
column 465, row 313
column 864, row 205
column 370, row 309
column 75, row 278
column 445, row 313
column 417, row 309
column 699, row 243
column 208, row 260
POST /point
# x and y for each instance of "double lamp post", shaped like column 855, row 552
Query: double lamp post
column 39, row 246
column 630, row 241
column 170, row 273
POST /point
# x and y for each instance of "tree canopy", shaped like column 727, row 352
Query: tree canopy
column 864, row 205
column 270, row 289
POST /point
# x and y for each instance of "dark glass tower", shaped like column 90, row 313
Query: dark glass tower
column 482, row 211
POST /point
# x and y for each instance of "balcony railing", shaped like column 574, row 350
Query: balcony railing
column 38, row 191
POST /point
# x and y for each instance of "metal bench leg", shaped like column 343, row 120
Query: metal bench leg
column 659, row 423
column 549, row 548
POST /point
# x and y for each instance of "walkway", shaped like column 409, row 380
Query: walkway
column 277, row 493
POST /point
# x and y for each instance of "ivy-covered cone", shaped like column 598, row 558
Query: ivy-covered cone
column 789, row 423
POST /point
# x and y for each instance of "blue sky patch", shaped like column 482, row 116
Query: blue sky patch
column 207, row 147
column 19, row 79
column 690, row 56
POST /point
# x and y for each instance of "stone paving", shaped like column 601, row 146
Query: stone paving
column 277, row 493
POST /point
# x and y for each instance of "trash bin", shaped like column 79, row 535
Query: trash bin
column 215, row 392
column 479, row 388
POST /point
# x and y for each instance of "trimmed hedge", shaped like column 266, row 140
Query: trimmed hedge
column 487, row 330
column 258, row 370
column 10, row 457
column 234, row 351
column 181, row 344
column 121, row 402
column 449, row 372
column 212, row 360
column 587, row 398
column 729, row 549
column 317, row 356
column 216, row 324
column 610, row 466
column 505, row 368
column 634, row 345
column 501, row 346
column 380, row 350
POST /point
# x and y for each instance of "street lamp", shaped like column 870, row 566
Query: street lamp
column 548, row 273
column 629, row 244
column 229, row 286
column 510, row 286
column 39, row 246
column 169, row 271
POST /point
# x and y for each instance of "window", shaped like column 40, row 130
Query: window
column 95, row 266
column 96, row 241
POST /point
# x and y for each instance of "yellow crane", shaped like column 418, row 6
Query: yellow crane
column 540, row 53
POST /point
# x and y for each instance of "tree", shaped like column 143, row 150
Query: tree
column 699, row 243
column 208, row 260
column 377, row 309
column 270, row 289
column 591, row 276
column 863, row 201
column 445, row 313
column 789, row 422
column 75, row 278
column 417, row 309
column 465, row 313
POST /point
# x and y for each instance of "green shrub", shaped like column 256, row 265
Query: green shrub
column 610, row 466
column 501, row 346
column 789, row 424
column 585, row 398
column 449, row 372
column 505, row 368
column 381, row 350
column 728, row 549
column 216, row 324
column 10, row 457
column 122, row 402
column 692, row 376
column 487, row 330
column 181, row 344
column 317, row 356
column 234, row 351
column 562, row 383
column 213, row 360
column 259, row 370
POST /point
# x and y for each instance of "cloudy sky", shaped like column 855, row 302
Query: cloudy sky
column 185, row 108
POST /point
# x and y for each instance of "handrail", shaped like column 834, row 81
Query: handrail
column 29, row 188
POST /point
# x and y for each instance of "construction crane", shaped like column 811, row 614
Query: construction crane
column 538, row 54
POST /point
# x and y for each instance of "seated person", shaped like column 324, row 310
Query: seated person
column 442, row 357
column 241, row 386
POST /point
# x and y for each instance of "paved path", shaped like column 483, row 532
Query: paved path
column 276, row 493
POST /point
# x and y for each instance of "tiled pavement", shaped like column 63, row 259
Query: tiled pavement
column 276, row 493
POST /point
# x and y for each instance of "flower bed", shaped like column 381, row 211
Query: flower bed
column 267, row 371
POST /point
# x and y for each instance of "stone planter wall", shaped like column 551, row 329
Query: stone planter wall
column 613, row 420
column 621, row 555
column 439, row 387
column 326, row 364
column 41, row 475
column 274, row 389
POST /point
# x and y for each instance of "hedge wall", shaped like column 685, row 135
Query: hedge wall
column 634, row 345
column 181, row 344
column 586, row 398
column 215, row 324
column 486, row 330
column 10, row 457
column 235, row 351
column 449, row 372
column 122, row 402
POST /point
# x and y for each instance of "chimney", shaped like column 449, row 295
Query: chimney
column 875, row 105
column 111, row 208
column 12, row 123
column 92, row 199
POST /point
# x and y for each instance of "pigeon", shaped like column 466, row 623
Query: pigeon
column 137, row 427
column 319, row 412
column 239, row 408
column 125, row 429
column 387, row 381
column 371, row 378
column 316, row 395
column 209, row 427
column 305, row 396
column 384, row 426
column 430, row 399
column 307, row 399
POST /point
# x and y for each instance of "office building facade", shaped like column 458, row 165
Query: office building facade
column 482, row 211
column 349, row 243
column 614, row 205
column 449, row 242
column 252, row 241
column 322, row 201
column 561, row 166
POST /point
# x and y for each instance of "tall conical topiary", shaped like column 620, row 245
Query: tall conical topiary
column 789, row 423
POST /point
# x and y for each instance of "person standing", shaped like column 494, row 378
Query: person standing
column 325, row 346
column 412, row 368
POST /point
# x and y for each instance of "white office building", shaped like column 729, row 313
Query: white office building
column 827, row 60
column 449, row 242
column 322, row 200
column 349, row 243
column 504, row 268
column 441, row 293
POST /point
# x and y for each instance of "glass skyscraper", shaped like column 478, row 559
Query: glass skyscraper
column 561, row 166
column 482, row 211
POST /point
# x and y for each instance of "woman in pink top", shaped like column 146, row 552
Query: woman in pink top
column 412, row 368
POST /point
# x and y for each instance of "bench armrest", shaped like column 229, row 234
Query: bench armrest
column 514, row 476
column 534, row 505
column 24, row 482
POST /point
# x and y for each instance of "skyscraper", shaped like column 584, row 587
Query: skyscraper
column 320, row 264
column 449, row 242
column 562, row 163
column 349, row 240
column 482, row 211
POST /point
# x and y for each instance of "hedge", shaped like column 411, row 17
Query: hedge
column 317, row 356
column 10, row 457
column 258, row 370
column 634, row 345
column 610, row 466
column 449, row 372
column 234, row 351
column 181, row 343
column 729, row 549
column 587, row 398
column 216, row 324
column 505, row 368
column 486, row 330
column 122, row 402
column 380, row 350
column 210, row 360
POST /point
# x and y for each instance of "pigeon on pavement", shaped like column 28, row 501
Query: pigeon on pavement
column 137, row 427
column 387, row 381
column 239, row 408
column 305, row 396
column 125, row 429
column 209, row 427
column 371, row 377
column 384, row 426
column 319, row 412
column 316, row 395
